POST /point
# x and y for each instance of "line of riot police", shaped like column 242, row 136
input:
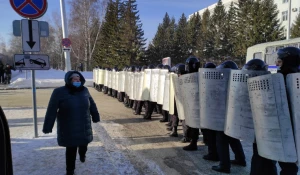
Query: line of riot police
column 224, row 103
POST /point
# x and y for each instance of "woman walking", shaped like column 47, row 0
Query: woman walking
column 73, row 107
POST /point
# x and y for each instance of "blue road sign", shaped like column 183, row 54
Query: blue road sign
column 29, row 8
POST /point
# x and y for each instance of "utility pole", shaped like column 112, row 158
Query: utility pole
column 65, row 34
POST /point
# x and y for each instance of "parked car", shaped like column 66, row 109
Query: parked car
column 38, row 61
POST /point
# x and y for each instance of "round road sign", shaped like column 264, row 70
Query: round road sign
column 66, row 42
column 29, row 8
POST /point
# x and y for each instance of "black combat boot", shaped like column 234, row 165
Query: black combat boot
column 174, row 132
column 192, row 146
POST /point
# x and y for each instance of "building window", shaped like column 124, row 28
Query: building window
column 285, row 1
column 285, row 16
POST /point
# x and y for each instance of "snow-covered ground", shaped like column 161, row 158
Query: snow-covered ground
column 44, row 78
column 42, row 155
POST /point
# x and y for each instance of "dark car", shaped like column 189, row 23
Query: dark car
column 20, row 63
column 38, row 62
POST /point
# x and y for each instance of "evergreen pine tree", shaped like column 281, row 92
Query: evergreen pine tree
column 295, row 30
column 230, row 30
column 218, row 28
column 206, row 44
column 181, row 40
column 163, row 41
column 105, row 53
column 132, row 34
column 194, row 27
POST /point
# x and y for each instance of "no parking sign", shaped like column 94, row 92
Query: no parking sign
column 29, row 8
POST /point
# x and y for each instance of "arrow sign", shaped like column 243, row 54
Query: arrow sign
column 30, row 35
column 31, row 43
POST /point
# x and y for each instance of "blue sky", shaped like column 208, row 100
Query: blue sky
column 151, row 13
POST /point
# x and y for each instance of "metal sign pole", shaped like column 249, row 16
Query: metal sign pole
column 65, row 34
column 35, row 123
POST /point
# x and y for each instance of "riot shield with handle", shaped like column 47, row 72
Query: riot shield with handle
column 132, row 86
column 146, row 84
column 109, row 85
column 140, row 85
column 271, row 118
column 171, row 95
column 100, row 77
column 161, row 85
column 213, row 95
column 239, row 122
column 154, row 85
column 135, row 86
column 293, row 92
column 190, row 91
column 121, row 81
column 179, row 98
column 166, row 104
column 105, row 78
column 95, row 76
column 117, row 81
column 113, row 79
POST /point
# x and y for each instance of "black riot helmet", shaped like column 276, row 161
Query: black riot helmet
column 160, row 66
column 138, row 68
column 228, row 64
column 151, row 66
column 173, row 69
column 290, row 57
column 167, row 67
column 131, row 69
column 115, row 69
column 209, row 65
column 255, row 64
column 143, row 68
column 180, row 69
column 192, row 64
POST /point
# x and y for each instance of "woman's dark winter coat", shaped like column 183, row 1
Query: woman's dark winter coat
column 73, row 108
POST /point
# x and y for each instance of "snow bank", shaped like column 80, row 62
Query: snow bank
column 44, row 79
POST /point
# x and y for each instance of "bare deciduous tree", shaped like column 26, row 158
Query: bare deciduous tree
column 85, row 21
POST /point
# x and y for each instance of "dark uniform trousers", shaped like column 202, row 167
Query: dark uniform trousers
column 139, row 106
column 223, row 141
column 159, row 108
column 185, row 129
column 105, row 90
column 149, row 107
column 109, row 92
column 121, row 96
column 165, row 115
column 71, row 153
column 263, row 166
column 209, row 138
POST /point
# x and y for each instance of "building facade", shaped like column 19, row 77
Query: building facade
column 282, row 5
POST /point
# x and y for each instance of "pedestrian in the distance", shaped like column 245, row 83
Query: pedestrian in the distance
column 1, row 72
column 73, row 107
column 7, row 71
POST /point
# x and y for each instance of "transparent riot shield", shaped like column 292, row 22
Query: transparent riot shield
column 190, row 92
column 171, row 95
column 161, row 86
column 140, row 85
column 146, row 84
column 239, row 122
column 293, row 92
column 213, row 94
column 271, row 118
column 179, row 98
column 154, row 85
column 166, row 104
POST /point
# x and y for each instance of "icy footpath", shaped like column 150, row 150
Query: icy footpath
column 42, row 155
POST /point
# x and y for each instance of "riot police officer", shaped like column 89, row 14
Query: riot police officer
column 223, row 141
column 179, row 70
column 259, row 165
column 105, row 91
column 129, row 103
column 288, row 61
column 209, row 136
column 114, row 92
column 192, row 64
column 140, row 103
column 165, row 113
column 149, row 106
